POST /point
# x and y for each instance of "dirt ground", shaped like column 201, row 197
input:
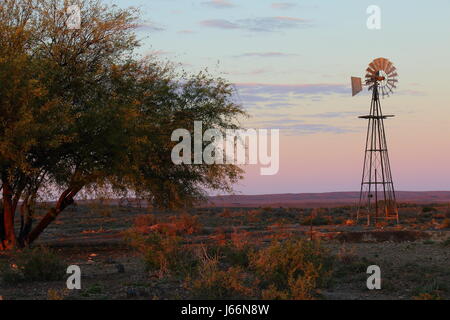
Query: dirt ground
column 414, row 257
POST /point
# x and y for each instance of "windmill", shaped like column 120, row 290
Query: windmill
column 377, row 196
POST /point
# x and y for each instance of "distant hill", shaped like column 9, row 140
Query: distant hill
column 328, row 199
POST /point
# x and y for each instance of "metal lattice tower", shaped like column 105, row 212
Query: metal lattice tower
column 377, row 196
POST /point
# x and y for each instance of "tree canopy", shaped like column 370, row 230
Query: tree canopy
column 80, row 109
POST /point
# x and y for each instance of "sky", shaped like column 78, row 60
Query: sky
column 291, row 63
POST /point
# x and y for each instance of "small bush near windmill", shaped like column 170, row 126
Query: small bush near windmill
column 293, row 269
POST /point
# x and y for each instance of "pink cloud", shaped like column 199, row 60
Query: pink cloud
column 220, row 4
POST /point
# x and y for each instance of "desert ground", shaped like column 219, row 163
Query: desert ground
column 109, row 240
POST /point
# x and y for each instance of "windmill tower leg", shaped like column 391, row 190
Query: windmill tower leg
column 376, row 183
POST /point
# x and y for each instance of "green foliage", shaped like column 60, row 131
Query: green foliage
column 80, row 110
column 39, row 264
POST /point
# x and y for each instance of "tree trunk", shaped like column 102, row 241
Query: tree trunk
column 26, row 219
column 8, row 240
column 64, row 201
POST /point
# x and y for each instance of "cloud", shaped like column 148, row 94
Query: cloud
column 332, row 114
column 149, row 27
column 219, row 4
column 266, row 24
column 186, row 32
column 300, row 127
column 249, row 72
column 159, row 53
column 293, row 89
column 265, row 55
column 279, row 96
column 219, row 23
column 283, row 5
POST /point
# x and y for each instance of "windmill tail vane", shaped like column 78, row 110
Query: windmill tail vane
column 377, row 200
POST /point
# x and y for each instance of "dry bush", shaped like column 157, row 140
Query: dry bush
column 292, row 269
column 39, row 264
column 220, row 236
column 144, row 223
column 253, row 216
column 427, row 296
column 240, row 239
column 445, row 224
column 213, row 283
column 186, row 224
column 347, row 255
column 164, row 254
column 54, row 294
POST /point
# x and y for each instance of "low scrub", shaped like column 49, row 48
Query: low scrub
column 213, row 282
column 39, row 264
column 163, row 254
column 292, row 269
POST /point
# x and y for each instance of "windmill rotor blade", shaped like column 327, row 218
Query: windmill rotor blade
column 388, row 67
column 373, row 66
column 381, row 73
column 393, row 86
column 384, row 63
column 391, row 69
column 377, row 63
column 371, row 71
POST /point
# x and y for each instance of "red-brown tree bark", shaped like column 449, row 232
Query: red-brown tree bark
column 8, row 240
column 64, row 201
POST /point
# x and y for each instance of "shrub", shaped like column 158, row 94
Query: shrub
column 213, row 283
column 316, row 221
column 427, row 296
column 39, row 264
column 53, row 294
column 446, row 243
column 230, row 254
column 166, row 254
column 446, row 224
column 292, row 269
column 187, row 224
column 428, row 209
column 144, row 221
